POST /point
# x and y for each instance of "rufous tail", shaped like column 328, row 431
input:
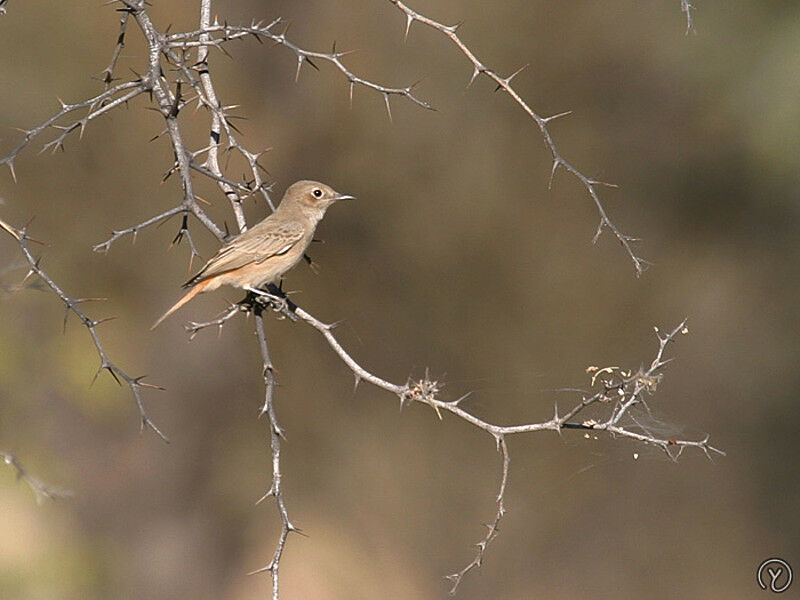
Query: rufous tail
column 189, row 295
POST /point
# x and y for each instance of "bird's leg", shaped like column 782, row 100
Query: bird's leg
column 274, row 296
column 260, row 298
column 277, row 290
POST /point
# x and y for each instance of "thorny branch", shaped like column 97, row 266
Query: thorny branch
column 624, row 392
column 97, row 105
column 225, row 33
column 193, row 327
column 108, row 72
column 41, row 490
column 72, row 305
column 504, row 83
column 621, row 390
column 135, row 229
column 276, row 434
column 218, row 119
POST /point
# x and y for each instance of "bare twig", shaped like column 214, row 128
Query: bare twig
column 218, row 118
column 504, row 83
column 95, row 106
column 135, row 229
column 72, row 305
column 492, row 528
column 108, row 72
column 41, row 490
column 630, row 388
column 204, row 37
column 194, row 327
column 276, row 434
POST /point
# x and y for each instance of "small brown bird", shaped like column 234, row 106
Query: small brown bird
column 263, row 253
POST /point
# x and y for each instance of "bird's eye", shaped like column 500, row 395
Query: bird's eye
column 317, row 193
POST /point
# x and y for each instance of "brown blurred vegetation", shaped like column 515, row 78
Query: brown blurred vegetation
column 456, row 257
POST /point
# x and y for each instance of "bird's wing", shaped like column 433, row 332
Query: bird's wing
column 254, row 246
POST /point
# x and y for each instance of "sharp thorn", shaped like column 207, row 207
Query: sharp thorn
column 409, row 21
column 299, row 65
column 388, row 107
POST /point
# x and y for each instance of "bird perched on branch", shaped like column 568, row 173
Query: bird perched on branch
column 263, row 253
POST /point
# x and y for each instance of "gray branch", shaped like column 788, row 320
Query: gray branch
column 72, row 305
column 504, row 83
column 96, row 106
column 40, row 489
column 204, row 37
column 108, row 72
column 134, row 230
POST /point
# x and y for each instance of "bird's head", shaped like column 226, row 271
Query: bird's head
column 313, row 197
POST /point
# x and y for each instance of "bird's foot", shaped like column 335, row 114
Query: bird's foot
column 273, row 297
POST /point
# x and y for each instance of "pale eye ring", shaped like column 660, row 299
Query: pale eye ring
column 317, row 193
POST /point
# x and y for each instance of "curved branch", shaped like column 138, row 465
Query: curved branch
column 504, row 83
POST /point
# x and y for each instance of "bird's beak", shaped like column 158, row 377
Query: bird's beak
column 344, row 197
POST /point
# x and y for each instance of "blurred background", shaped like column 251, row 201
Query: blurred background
column 456, row 258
